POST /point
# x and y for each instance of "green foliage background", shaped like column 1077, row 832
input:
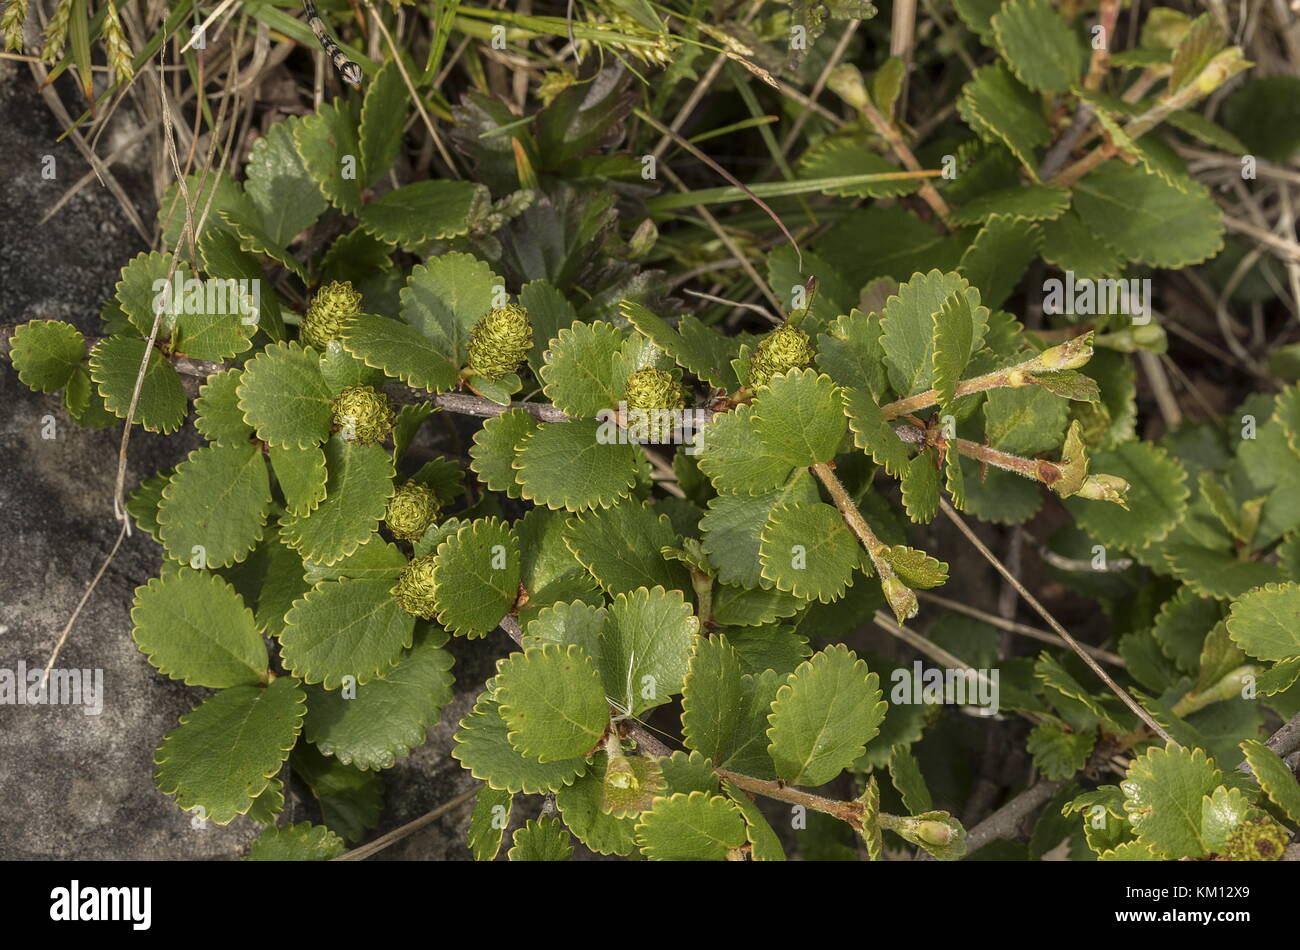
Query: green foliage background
column 682, row 617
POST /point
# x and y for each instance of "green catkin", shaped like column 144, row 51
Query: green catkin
column 333, row 305
column 414, row 591
column 500, row 341
column 1259, row 840
column 648, row 392
column 411, row 510
column 363, row 414
column 785, row 348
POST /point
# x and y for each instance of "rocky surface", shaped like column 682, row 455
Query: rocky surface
column 78, row 786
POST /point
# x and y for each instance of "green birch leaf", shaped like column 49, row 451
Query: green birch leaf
column 567, row 624
column 1025, row 421
column 347, row 628
column 543, row 555
column 736, row 460
column 218, row 187
column 224, row 258
column 445, row 297
column 645, row 647
column 278, row 184
column 694, row 827
column 696, row 347
column 732, row 527
column 492, row 455
column 907, row 327
column 84, row 404
column 115, row 365
column 954, row 328
column 1068, row 384
column 327, row 143
column 916, row 568
column 769, row 648
column 763, row 841
column 580, row 374
column 1265, row 623
column 476, row 577
column 194, row 627
column 1039, row 45
column 549, row 312
column 341, row 369
column 690, row 772
column 1219, row 574
column 359, row 481
column 735, row 606
column 144, row 501
column 1057, row 752
column 552, row 702
column 285, row 398
column 407, row 426
column 351, row 801
column 216, row 410
column 724, row 710
column 302, row 476
column 870, row 831
column 800, row 418
column 1148, row 219
column 1182, row 625
column 373, row 559
column 1211, row 133
column 920, row 486
column 136, row 294
column 400, row 351
column 482, row 747
column 1162, row 797
column 620, row 547
column 277, row 575
column 1221, row 812
column 1275, row 778
column 46, row 353
column 905, row 774
column 849, row 352
column 872, row 433
column 226, row 750
column 388, row 716
column 1071, row 246
column 808, row 551
column 214, row 508
column 823, row 717
column 383, row 119
column 1199, row 44
column 541, row 839
column 1000, row 255
column 1157, row 497
column 254, row 239
column 356, row 256
column 581, row 805
column 1020, row 204
column 487, row 825
column 301, row 842
column 421, row 212
column 999, row 108
column 567, row 465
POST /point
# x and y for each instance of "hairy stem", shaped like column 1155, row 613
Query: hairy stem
column 850, row 812
column 853, row 518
